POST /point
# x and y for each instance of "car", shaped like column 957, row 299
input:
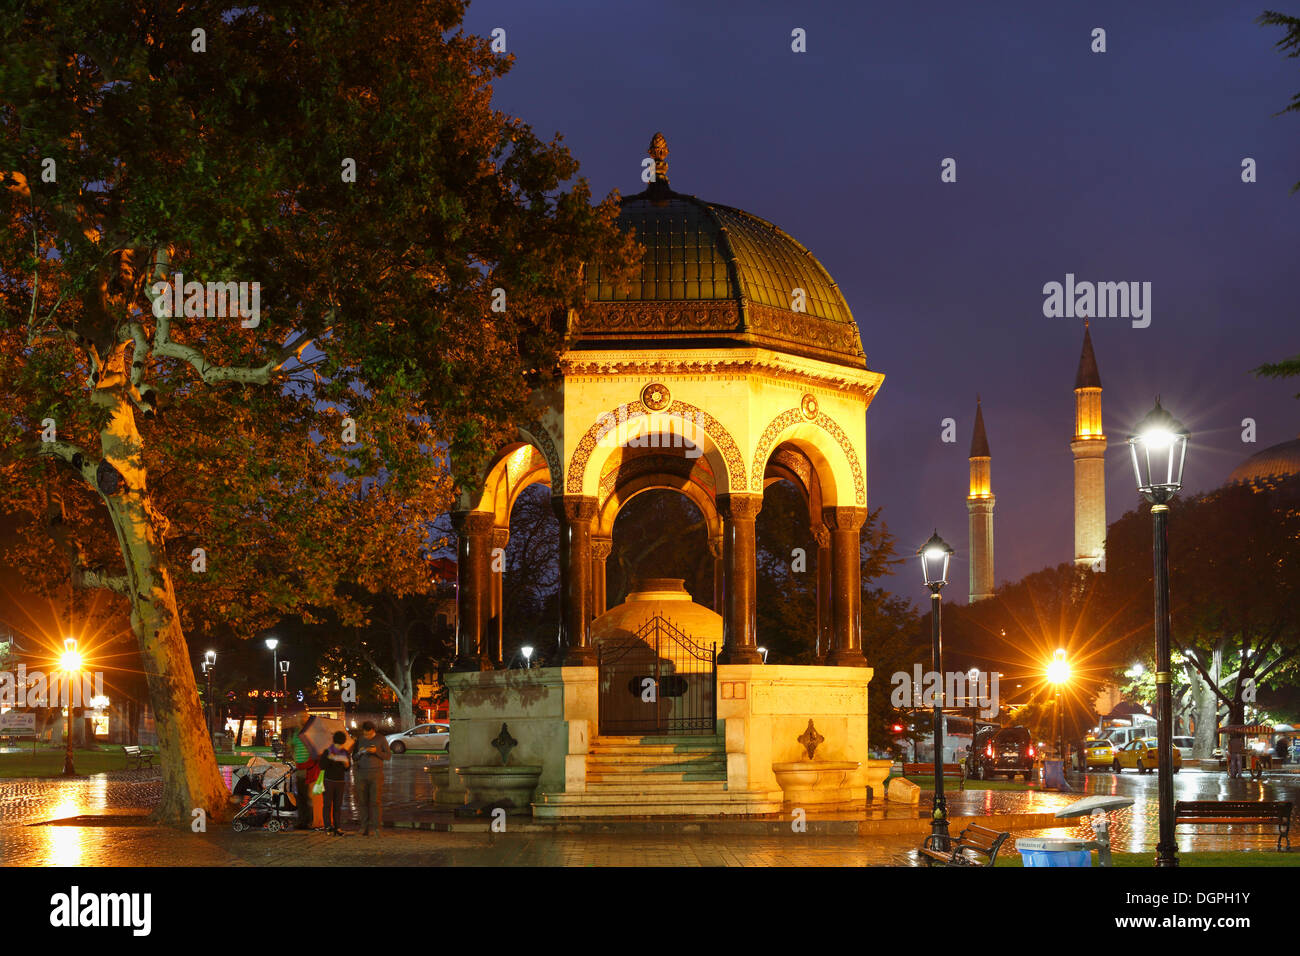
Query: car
column 423, row 737
column 1096, row 755
column 1006, row 750
column 1142, row 755
column 1184, row 746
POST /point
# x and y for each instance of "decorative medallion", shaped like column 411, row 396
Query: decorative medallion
column 809, row 406
column 504, row 743
column 810, row 739
column 655, row 396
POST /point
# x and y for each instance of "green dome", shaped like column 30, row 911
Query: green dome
column 715, row 276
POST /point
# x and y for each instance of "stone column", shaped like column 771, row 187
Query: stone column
column 473, row 588
column 740, row 579
column 846, row 585
column 601, row 549
column 576, row 514
column 497, row 570
column 825, row 606
column 719, row 572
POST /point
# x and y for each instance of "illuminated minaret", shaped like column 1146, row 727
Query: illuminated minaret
column 1089, row 447
column 979, row 504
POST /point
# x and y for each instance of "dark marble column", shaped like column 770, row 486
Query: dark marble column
column 846, row 585
column 740, row 579
column 575, row 513
column 719, row 572
column 825, row 606
column 473, row 588
column 496, row 623
column 601, row 549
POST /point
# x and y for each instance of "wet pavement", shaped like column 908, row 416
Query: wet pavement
column 120, row 836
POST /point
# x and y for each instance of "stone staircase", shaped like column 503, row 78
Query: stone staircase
column 655, row 776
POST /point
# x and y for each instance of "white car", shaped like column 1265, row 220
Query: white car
column 423, row 737
column 1184, row 746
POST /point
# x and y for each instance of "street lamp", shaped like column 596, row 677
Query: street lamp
column 209, row 665
column 763, row 651
column 284, row 672
column 1058, row 673
column 70, row 661
column 935, row 555
column 527, row 651
column 272, row 643
column 1159, row 449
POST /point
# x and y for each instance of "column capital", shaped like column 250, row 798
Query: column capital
column 822, row 535
column 715, row 546
column 473, row 522
column 573, row 507
column 840, row 518
column 500, row 537
column 740, row 507
column 602, row 548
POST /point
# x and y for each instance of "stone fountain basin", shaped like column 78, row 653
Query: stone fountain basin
column 510, row 786
column 815, row 781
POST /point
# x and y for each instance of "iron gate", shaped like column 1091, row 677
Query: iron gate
column 657, row 681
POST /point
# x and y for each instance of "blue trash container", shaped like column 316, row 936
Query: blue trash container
column 1046, row 851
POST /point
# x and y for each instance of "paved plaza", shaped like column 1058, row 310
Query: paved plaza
column 110, row 830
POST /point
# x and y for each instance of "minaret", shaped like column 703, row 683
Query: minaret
column 979, row 503
column 1089, row 447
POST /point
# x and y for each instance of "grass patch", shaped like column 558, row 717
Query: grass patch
column 1147, row 860
column 950, row 785
column 49, row 763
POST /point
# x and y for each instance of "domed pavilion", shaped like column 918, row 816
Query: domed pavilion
column 730, row 362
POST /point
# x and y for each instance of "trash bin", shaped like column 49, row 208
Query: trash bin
column 1054, row 776
column 1048, row 851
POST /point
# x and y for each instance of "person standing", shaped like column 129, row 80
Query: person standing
column 1236, row 751
column 369, row 755
column 307, row 769
column 335, row 763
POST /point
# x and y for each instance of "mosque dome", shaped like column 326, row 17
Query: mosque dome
column 1267, row 468
column 714, row 277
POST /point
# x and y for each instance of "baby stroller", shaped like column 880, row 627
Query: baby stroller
column 263, row 789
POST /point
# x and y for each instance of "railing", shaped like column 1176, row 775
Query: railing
column 657, row 681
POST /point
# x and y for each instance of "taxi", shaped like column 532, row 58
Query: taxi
column 1142, row 755
column 1097, row 755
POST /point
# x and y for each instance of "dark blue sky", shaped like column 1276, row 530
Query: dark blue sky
column 1117, row 166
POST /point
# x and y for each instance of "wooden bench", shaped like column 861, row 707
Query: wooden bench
column 142, row 758
column 980, row 840
column 1246, row 812
column 927, row 770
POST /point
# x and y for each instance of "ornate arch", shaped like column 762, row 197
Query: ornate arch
column 540, row 437
column 798, row 416
column 608, row 421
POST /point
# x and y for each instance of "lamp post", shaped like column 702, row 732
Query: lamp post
column 527, row 651
column 209, row 665
column 935, row 555
column 284, row 673
column 1058, row 673
column 272, row 643
column 1159, row 449
column 70, row 661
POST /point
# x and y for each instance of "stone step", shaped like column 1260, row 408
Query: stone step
column 667, row 786
column 635, row 781
column 696, row 802
column 635, row 750
column 652, row 761
column 676, row 740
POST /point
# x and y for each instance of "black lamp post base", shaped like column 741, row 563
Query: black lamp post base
column 1166, row 856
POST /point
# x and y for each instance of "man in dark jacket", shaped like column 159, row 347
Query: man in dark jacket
column 369, row 756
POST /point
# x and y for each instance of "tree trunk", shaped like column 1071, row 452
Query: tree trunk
column 191, row 779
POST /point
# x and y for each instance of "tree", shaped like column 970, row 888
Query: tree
column 349, row 163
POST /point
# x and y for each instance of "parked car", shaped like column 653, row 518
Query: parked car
column 1184, row 746
column 423, row 737
column 1096, row 755
column 1008, row 750
column 1142, row 755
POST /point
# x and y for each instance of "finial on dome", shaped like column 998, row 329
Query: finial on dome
column 658, row 151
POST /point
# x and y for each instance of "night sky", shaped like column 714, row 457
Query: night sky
column 1122, row 166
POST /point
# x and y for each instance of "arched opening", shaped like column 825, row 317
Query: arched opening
column 530, row 583
column 660, row 533
column 787, row 565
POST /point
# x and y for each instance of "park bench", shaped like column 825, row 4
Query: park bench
column 142, row 758
column 927, row 770
column 980, row 840
column 1245, row 812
